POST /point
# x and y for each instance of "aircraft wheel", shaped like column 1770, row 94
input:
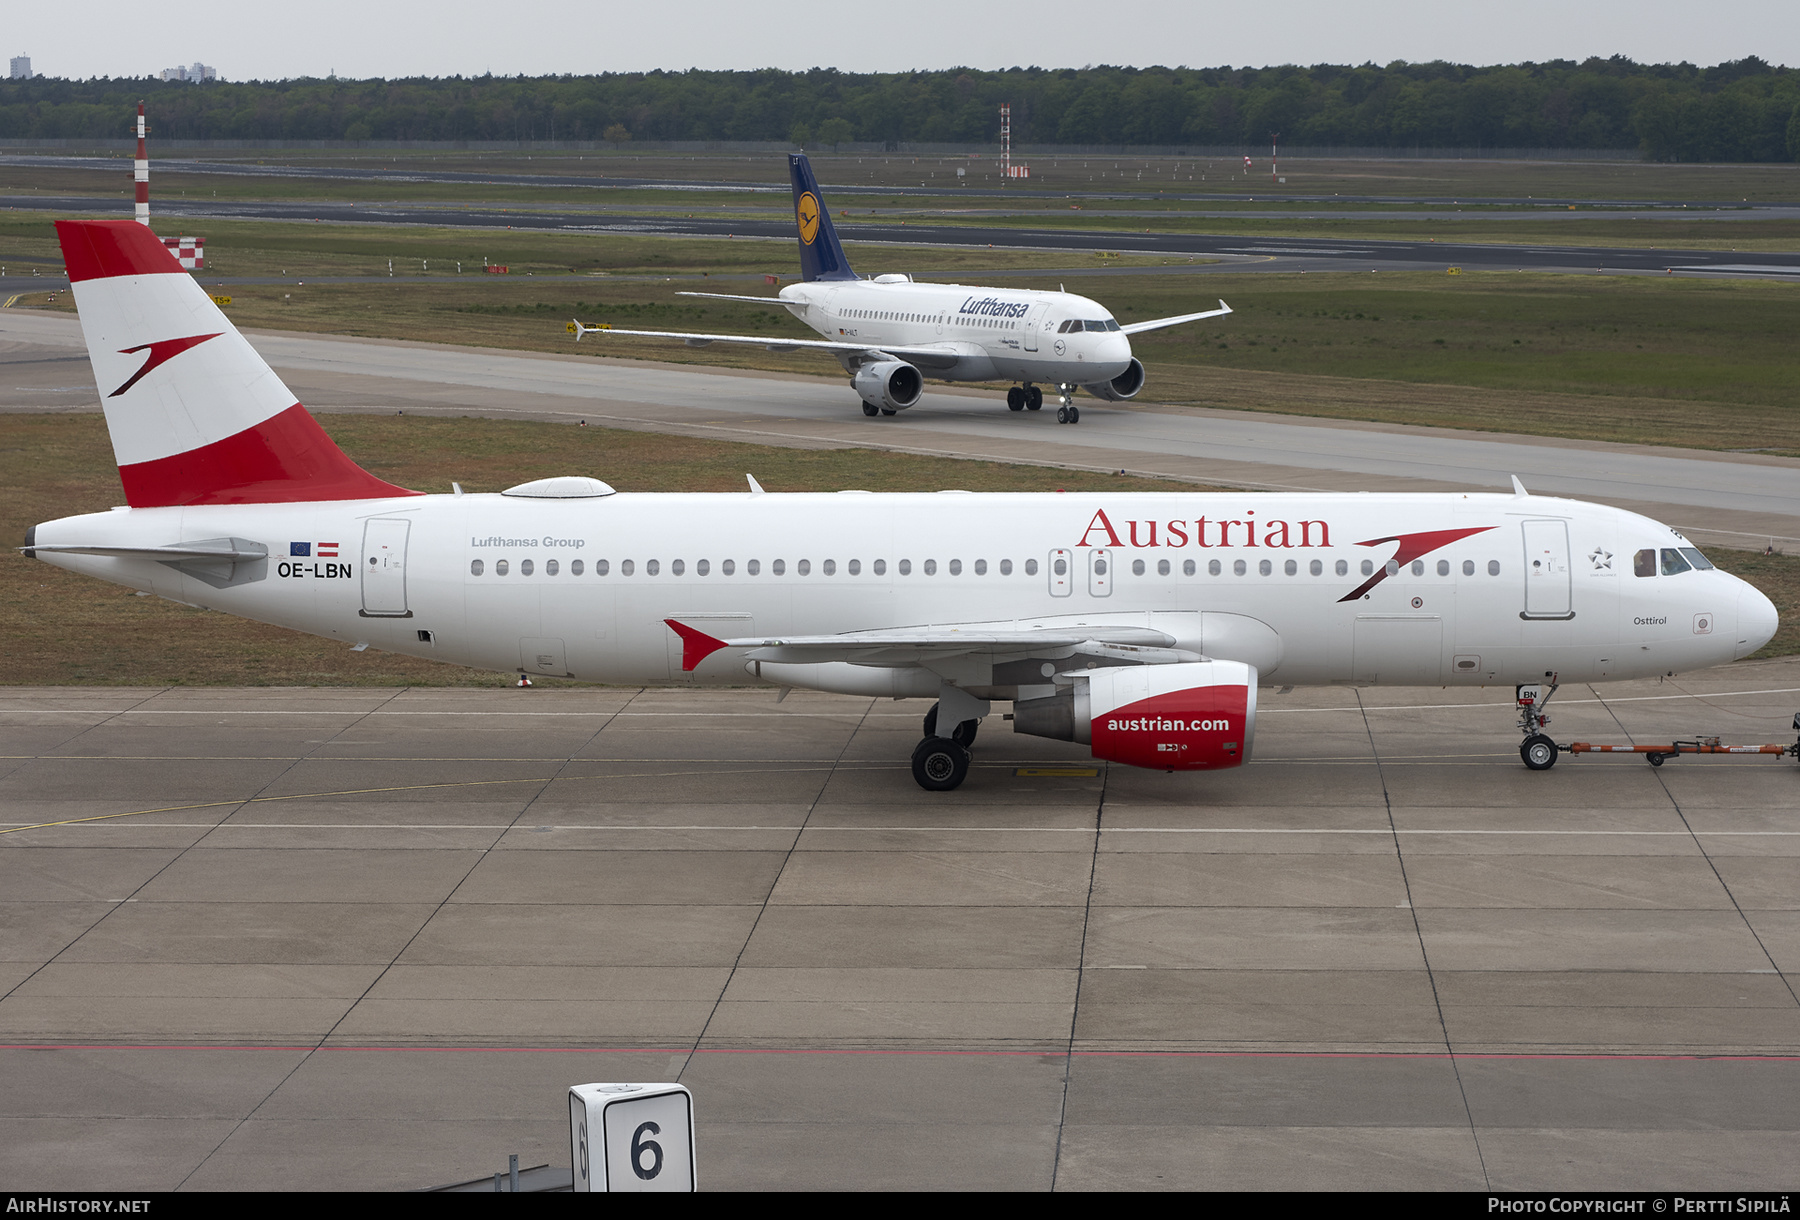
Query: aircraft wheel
column 1015, row 399
column 1074, row 415
column 1034, row 398
column 871, row 410
column 939, row 764
column 885, row 411
column 1062, row 415
column 963, row 734
column 1538, row 751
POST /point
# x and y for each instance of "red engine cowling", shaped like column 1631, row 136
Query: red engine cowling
column 1196, row 716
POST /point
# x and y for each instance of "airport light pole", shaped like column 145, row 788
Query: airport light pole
column 1274, row 140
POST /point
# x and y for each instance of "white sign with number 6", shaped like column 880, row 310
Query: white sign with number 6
column 632, row 1137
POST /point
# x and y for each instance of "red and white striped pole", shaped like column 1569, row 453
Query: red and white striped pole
column 141, row 173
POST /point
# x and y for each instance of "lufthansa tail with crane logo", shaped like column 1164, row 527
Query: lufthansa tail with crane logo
column 821, row 257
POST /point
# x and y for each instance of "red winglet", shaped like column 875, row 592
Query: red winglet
column 101, row 249
column 696, row 646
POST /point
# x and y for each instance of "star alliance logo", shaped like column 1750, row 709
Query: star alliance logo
column 1601, row 558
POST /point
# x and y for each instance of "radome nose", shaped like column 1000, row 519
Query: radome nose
column 1757, row 621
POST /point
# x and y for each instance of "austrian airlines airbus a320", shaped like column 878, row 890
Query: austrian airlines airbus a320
column 891, row 333
column 1136, row 624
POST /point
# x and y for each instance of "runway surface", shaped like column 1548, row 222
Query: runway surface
column 1736, row 499
column 599, row 182
column 365, row 939
column 1236, row 250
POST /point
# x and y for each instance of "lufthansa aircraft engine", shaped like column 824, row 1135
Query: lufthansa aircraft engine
column 1194, row 716
column 892, row 385
column 1125, row 385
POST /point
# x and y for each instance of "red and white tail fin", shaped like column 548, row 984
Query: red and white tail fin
column 196, row 416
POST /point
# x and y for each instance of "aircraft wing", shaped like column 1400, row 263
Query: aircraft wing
column 919, row 645
column 931, row 356
column 732, row 296
column 1138, row 328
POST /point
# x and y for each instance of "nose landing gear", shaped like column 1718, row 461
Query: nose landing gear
column 1537, row 750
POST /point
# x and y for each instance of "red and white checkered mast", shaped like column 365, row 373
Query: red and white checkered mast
column 1007, row 168
column 141, row 172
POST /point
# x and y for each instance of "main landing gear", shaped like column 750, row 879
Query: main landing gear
column 1537, row 750
column 1024, row 398
column 940, row 764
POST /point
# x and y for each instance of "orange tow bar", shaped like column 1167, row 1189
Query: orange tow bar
column 1700, row 745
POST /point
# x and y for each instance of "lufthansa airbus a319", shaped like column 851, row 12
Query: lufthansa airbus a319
column 891, row 333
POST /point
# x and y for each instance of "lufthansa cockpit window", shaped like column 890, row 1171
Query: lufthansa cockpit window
column 1701, row 563
column 1672, row 562
column 1644, row 562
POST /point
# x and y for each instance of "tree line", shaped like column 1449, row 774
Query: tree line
column 1744, row 110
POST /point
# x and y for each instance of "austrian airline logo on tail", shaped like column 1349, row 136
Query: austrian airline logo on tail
column 807, row 213
column 1411, row 547
column 160, row 351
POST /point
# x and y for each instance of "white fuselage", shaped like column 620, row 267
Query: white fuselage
column 582, row 587
column 986, row 334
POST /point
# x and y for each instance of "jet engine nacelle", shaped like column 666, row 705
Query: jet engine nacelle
column 1194, row 716
column 1125, row 385
column 892, row 385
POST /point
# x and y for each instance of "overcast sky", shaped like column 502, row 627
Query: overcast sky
column 369, row 38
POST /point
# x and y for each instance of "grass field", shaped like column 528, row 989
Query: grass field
column 1135, row 208
column 278, row 248
column 1703, row 363
column 63, row 629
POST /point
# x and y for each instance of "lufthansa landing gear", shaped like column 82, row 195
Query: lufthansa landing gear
column 1031, row 398
column 942, row 763
column 1538, row 750
column 1024, row 398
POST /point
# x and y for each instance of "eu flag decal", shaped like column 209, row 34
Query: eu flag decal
column 301, row 550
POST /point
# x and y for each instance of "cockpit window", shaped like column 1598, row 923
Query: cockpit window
column 1644, row 562
column 1673, row 563
column 1099, row 324
column 1701, row 563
